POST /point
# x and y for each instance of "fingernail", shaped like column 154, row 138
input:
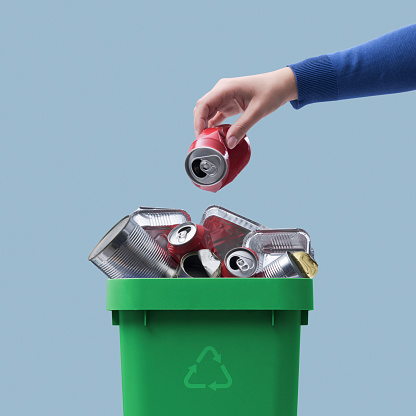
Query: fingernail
column 232, row 142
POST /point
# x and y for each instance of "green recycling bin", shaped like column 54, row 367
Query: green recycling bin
column 222, row 347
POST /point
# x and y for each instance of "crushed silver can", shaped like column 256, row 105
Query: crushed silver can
column 291, row 265
column 189, row 237
column 200, row 263
column 240, row 262
column 127, row 251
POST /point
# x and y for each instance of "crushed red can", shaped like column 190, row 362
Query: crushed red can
column 240, row 262
column 189, row 237
column 210, row 164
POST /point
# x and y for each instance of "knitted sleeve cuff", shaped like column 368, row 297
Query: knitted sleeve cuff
column 316, row 81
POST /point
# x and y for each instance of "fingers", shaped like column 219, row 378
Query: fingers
column 206, row 107
column 239, row 129
column 217, row 119
column 201, row 112
column 218, row 99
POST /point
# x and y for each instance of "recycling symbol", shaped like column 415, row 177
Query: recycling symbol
column 191, row 379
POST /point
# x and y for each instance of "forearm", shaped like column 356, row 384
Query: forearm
column 384, row 65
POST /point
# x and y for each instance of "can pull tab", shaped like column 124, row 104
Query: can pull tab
column 244, row 263
column 182, row 233
column 208, row 167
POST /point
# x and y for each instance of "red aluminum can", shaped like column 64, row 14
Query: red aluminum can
column 211, row 164
column 240, row 262
column 187, row 237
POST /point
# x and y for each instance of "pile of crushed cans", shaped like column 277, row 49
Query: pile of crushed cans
column 165, row 243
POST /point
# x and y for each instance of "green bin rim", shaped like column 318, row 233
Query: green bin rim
column 210, row 294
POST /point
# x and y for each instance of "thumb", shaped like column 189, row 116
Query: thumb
column 239, row 129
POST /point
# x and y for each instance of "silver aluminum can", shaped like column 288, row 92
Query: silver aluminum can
column 128, row 251
column 200, row 263
column 240, row 262
column 284, row 266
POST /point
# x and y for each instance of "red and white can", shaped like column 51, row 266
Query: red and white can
column 211, row 164
column 240, row 262
column 188, row 237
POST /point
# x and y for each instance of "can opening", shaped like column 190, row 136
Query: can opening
column 234, row 262
column 240, row 263
column 193, row 267
column 196, row 169
column 182, row 233
column 185, row 230
column 109, row 238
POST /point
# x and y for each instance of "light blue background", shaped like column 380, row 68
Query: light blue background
column 96, row 118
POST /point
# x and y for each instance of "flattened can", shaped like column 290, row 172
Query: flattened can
column 239, row 262
column 200, row 263
column 188, row 237
column 211, row 164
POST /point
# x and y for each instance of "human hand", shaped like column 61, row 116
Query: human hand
column 254, row 96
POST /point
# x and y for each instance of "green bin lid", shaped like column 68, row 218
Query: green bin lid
column 207, row 294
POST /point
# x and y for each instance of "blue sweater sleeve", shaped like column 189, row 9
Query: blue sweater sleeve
column 385, row 65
